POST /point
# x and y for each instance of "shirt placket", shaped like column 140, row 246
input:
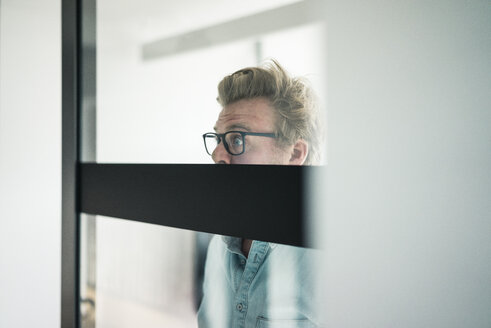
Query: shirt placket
column 256, row 257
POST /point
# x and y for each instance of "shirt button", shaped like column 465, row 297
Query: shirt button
column 242, row 262
column 240, row 306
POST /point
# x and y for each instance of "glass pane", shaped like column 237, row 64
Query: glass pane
column 137, row 275
column 154, row 110
column 141, row 275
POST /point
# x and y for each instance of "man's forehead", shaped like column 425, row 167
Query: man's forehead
column 246, row 114
column 231, row 120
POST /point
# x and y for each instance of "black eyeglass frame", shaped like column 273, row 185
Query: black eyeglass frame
column 221, row 136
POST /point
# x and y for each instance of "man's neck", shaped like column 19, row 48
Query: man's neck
column 246, row 246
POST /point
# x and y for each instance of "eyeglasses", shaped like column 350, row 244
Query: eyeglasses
column 233, row 141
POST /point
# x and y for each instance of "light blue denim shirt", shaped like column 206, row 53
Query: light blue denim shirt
column 274, row 287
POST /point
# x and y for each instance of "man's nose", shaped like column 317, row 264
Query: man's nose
column 220, row 155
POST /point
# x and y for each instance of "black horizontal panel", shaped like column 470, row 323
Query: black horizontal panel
column 252, row 201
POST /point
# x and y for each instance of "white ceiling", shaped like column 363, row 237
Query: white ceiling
column 147, row 20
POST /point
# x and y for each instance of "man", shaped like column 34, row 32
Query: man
column 268, row 117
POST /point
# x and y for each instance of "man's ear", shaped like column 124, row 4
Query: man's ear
column 299, row 152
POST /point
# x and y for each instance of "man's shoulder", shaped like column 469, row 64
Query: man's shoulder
column 295, row 251
column 306, row 260
column 216, row 244
column 217, row 249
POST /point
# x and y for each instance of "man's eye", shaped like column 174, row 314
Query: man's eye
column 237, row 140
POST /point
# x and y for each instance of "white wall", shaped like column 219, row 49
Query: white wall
column 30, row 163
column 409, row 213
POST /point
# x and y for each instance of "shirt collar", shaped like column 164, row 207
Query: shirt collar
column 234, row 244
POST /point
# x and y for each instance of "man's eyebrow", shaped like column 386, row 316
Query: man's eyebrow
column 238, row 126
column 234, row 126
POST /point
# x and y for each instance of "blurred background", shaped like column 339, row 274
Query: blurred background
column 404, row 212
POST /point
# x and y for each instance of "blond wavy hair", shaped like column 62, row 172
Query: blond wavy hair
column 292, row 98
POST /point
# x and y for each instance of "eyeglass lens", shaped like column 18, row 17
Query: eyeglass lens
column 233, row 140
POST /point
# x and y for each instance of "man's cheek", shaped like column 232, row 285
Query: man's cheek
column 249, row 158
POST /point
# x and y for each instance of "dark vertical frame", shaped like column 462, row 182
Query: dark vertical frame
column 70, row 159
